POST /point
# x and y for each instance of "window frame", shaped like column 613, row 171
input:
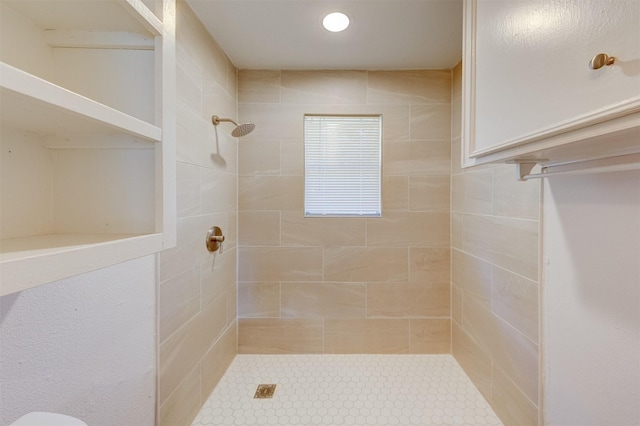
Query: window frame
column 376, row 214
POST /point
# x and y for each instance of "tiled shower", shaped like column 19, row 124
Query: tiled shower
column 344, row 285
column 451, row 267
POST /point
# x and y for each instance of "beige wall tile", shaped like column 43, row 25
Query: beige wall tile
column 399, row 229
column 271, row 193
column 232, row 78
column 190, row 250
column 185, row 402
column 515, row 299
column 456, row 118
column 456, row 230
column 366, row 264
column 279, row 336
column 431, row 122
column 231, row 233
column 222, row 148
column 509, row 243
column 258, row 86
column 395, row 193
column 273, row 121
column 216, row 361
column 259, row 228
column 456, row 82
column 456, row 156
column 416, row 158
column 324, row 87
column 187, row 189
column 472, row 274
column 194, row 38
column 346, row 262
column 179, row 302
column 280, row 264
column 456, row 304
column 292, row 157
column 184, row 349
column 258, row 299
column 323, row 300
column 188, row 82
column 475, row 362
column 193, row 138
column 494, row 228
column 219, row 191
column 218, row 274
column 285, row 121
column 259, row 157
column 430, row 336
column 510, row 404
column 198, row 290
column 409, row 87
column 217, row 100
column 514, row 198
column 218, row 68
column 516, row 355
column 322, row 231
column 408, row 300
column 472, row 192
column 366, row 336
column 232, row 304
column 395, row 118
column 396, row 121
column 430, row 193
column 429, row 265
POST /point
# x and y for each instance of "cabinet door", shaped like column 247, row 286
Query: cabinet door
column 528, row 74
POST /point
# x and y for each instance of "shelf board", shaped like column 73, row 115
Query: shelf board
column 31, row 103
column 121, row 15
column 31, row 261
column 143, row 15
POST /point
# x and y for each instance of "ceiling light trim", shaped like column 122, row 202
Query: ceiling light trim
column 336, row 22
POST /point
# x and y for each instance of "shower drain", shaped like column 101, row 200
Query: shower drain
column 265, row 391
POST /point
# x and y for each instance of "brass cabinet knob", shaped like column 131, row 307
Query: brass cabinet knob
column 600, row 60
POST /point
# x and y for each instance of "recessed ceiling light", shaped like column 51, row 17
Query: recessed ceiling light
column 335, row 22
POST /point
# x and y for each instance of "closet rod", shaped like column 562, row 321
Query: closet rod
column 602, row 165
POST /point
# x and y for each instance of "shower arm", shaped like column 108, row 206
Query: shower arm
column 217, row 120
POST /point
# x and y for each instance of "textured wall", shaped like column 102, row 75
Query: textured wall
column 197, row 292
column 494, row 256
column 591, row 226
column 344, row 285
column 83, row 346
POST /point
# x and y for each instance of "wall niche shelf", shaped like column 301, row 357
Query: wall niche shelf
column 87, row 125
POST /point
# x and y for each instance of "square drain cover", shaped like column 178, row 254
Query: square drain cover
column 265, row 391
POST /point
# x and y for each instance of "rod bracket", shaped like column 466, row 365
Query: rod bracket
column 523, row 168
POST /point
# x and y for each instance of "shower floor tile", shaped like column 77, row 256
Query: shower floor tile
column 371, row 390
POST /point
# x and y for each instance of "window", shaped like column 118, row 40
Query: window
column 342, row 162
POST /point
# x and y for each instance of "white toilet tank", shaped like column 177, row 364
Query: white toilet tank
column 39, row 418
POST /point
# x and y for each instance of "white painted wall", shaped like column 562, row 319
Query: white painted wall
column 591, row 232
column 84, row 346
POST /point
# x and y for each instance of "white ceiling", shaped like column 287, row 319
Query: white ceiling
column 288, row 34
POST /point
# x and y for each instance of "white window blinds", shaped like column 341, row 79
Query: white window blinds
column 342, row 165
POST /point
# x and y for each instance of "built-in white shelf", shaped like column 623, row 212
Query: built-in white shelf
column 31, row 261
column 109, row 15
column 29, row 102
column 87, row 126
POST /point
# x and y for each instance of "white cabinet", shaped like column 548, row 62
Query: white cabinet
column 529, row 92
column 87, row 137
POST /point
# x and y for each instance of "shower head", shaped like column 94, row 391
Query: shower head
column 239, row 131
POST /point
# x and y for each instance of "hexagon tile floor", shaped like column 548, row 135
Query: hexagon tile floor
column 328, row 390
